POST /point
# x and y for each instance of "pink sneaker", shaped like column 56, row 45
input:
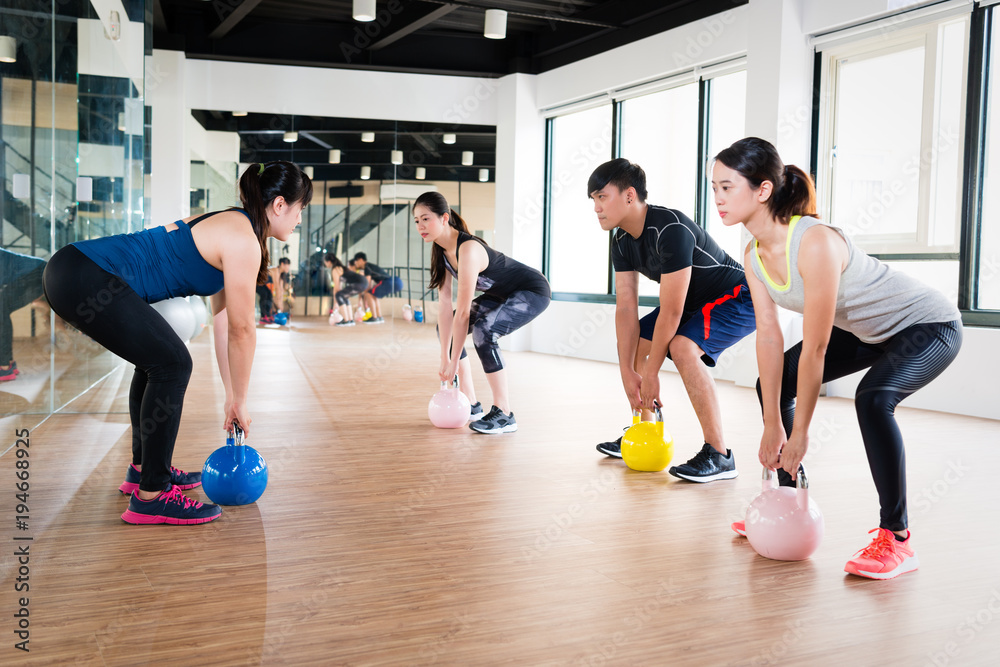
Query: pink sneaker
column 179, row 478
column 172, row 507
column 885, row 558
column 740, row 527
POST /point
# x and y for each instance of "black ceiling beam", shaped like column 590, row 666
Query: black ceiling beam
column 159, row 18
column 412, row 19
column 231, row 21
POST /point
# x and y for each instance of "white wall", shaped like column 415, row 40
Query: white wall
column 773, row 34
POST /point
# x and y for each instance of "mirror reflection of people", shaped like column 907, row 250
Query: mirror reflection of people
column 104, row 288
column 383, row 283
column 20, row 284
column 345, row 284
column 513, row 294
column 858, row 314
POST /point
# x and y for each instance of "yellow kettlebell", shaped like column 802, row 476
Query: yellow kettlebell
column 646, row 446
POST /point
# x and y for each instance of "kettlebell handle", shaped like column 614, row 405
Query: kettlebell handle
column 637, row 417
column 801, row 481
column 236, row 436
column 454, row 384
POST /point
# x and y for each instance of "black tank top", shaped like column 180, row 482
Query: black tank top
column 502, row 276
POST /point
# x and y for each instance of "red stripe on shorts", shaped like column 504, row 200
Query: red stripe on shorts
column 706, row 310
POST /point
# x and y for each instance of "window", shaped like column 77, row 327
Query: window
column 987, row 276
column 890, row 163
column 660, row 134
column 665, row 132
column 727, row 96
column 578, row 247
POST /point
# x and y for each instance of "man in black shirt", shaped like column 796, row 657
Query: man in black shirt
column 704, row 307
column 382, row 282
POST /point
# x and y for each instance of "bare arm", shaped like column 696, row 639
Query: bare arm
column 673, row 293
column 445, row 319
column 472, row 259
column 770, row 364
column 822, row 257
column 240, row 262
column 627, row 332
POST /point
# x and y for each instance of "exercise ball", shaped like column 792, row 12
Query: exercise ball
column 177, row 313
column 449, row 407
column 646, row 446
column 784, row 523
column 200, row 312
column 235, row 474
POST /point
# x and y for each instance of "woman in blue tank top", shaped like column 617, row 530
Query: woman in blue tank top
column 858, row 314
column 513, row 294
column 104, row 287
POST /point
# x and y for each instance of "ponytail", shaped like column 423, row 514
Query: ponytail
column 438, row 205
column 757, row 161
column 797, row 195
column 260, row 184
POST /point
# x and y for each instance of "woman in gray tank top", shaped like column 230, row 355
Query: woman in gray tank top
column 858, row 314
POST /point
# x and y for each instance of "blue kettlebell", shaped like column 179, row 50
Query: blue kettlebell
column 235, row 474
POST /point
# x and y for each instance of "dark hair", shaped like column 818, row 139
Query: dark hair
column 260, row 184
column 284, row 260
column 333, row 259
column 438, row 205
column 620, row 173
column 360, row 255
column 757, row 161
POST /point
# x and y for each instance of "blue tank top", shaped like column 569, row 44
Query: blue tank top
column 157, row 264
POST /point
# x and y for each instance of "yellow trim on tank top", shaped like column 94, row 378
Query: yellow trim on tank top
column 788, row 260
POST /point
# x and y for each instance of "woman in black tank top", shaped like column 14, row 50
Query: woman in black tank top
column 513, row 295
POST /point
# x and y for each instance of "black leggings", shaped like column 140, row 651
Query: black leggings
column 491, row 318
column 898, row 367
column 105, row 308
column 22, row 283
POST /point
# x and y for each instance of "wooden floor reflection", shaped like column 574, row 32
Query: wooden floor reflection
column 384, row 541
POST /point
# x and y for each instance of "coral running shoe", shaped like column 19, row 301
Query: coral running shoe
column 172, row 507
column 885, row 558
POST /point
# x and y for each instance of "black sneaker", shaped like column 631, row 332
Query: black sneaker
column 613, row 448
column 707, row 465
column 495, row 422
column 477, row 411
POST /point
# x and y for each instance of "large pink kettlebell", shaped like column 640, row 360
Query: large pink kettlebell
column 449, row 408
column 784, row 523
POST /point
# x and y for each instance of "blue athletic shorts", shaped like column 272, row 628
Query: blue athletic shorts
column 718, row 325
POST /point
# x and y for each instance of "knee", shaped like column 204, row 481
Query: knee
column 875, row 401
column 684, row 351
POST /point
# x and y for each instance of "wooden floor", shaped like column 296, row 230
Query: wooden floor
column 383, row 541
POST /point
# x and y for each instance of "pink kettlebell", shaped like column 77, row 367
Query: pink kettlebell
column 449, row 408
column 335, row 317
column 359, row 315
column 784, row 523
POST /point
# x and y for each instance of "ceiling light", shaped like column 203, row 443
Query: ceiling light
column 484, row 175
column 239, row 114
column 467, row 158
column 308, row 171
column 366, row 173
column 421, row 173
column 496, row 24
column 368, row 137
column 364, row 10
column 448, row 138
column 290, row 137
column 397, row 157
column 8, row 49
column 334, row 156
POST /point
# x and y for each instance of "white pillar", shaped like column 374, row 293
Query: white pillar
column 170, row 152
column 520, row 176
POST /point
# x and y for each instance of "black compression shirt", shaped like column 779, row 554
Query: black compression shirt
column 671, row 242
column 502, row 276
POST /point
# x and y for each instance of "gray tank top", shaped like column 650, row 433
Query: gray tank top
column 874, row 302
